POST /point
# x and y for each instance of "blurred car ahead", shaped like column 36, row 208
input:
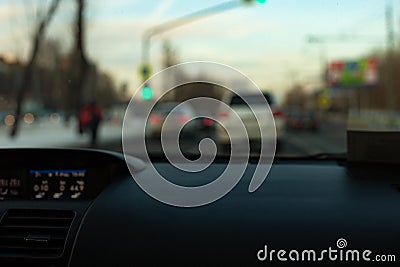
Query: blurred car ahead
column 249, row 120
column 180, row 114
column 303, row 120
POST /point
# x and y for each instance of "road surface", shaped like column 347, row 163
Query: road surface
column 331, row 138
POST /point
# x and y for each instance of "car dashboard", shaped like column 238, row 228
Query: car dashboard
column 66, row 207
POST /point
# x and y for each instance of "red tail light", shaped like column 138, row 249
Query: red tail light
column 208, row 122
column 155, row 119
column 277, row 113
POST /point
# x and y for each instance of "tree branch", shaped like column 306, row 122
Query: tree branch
column 27, row 75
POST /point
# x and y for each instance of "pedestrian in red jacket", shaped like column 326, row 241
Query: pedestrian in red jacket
column 89, row 119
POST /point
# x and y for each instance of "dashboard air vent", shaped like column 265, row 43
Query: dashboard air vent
column 34, row 233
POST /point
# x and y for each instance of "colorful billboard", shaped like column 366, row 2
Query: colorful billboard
column 353, row 74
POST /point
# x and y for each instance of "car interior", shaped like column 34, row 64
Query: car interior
column 86, row 178
column 311, row 202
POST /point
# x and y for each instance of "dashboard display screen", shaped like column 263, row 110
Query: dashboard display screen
column 58, row 184
column 10, row 185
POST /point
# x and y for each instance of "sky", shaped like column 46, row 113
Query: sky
column 266, row 42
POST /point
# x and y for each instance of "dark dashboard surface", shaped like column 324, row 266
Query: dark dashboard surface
column 302, row 204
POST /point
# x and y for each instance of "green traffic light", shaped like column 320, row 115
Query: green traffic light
column 147, row 93
column 252, row 1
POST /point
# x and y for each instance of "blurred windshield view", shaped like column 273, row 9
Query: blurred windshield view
column 68, row 69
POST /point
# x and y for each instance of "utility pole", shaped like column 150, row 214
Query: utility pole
column 391, row 93
column 390, row 26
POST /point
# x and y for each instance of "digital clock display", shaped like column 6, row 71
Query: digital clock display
column 58, row 184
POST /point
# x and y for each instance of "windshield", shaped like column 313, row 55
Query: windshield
column 69, row 69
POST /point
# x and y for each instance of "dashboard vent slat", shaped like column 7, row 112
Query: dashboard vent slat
column 34, row 233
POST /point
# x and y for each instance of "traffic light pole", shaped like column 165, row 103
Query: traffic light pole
column 161, row 28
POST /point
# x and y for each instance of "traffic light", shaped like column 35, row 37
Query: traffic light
column 254, row 1
column 144, row 71
column 147, row 92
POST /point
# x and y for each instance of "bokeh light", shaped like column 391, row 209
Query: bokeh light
column 29, row 118
column 9, row 120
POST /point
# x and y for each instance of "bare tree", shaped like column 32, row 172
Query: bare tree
column 80, row 61
column 27, row 75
